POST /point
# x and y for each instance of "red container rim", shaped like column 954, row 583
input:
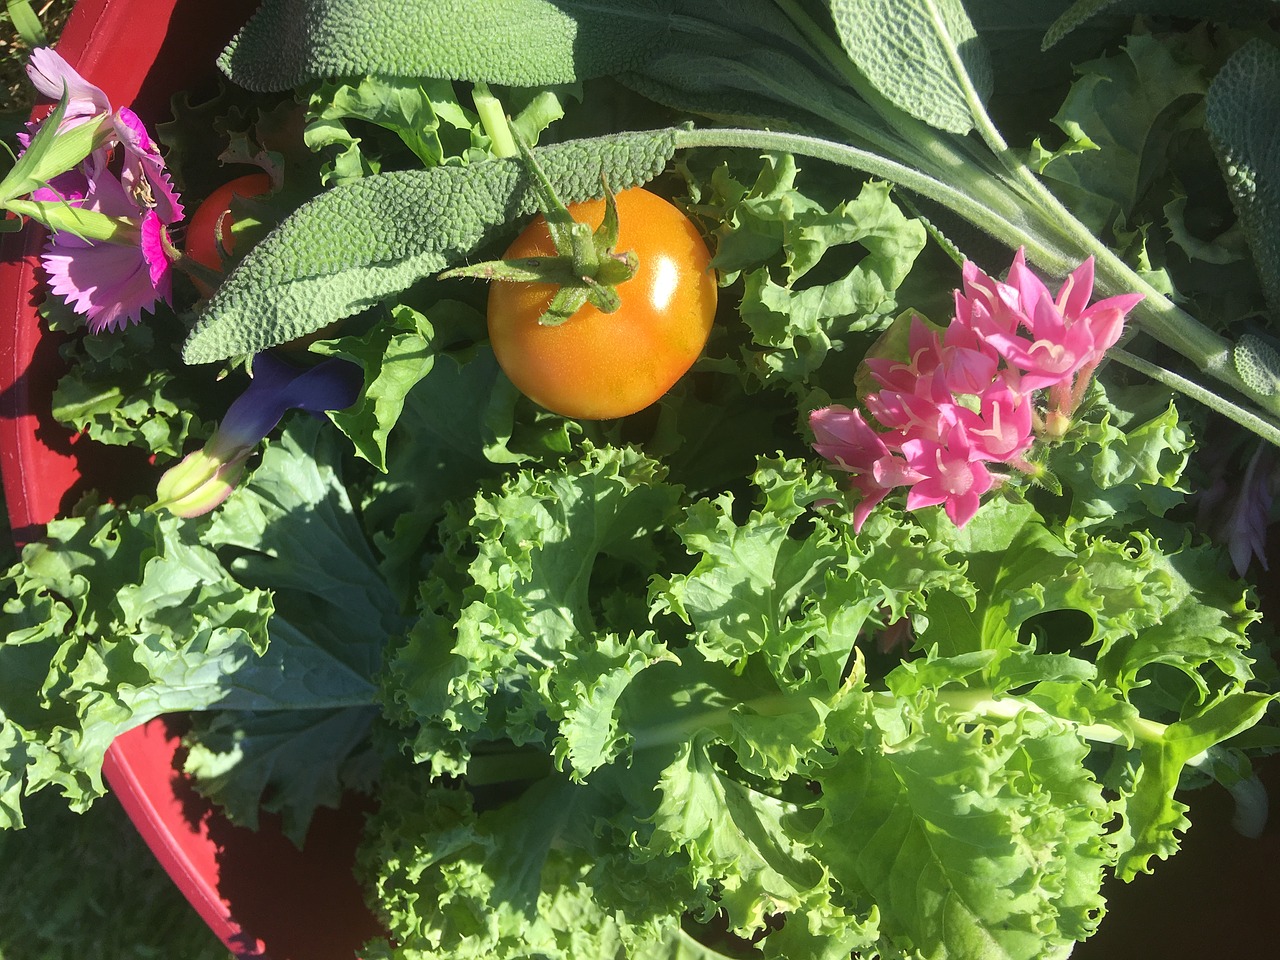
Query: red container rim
column 256, row 891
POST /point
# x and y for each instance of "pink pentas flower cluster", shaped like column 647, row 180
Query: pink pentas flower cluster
column 967, row 403
column 110, row 282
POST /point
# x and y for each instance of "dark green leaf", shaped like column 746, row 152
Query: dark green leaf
column 1243, row 102
column 518, row 42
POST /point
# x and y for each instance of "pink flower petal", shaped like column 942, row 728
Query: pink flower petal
column 109, row 283
column 843, row 437
column 153, row 251
column 1002, row 431
column 143, row 171
column 1074, row 294
column 963, row 508
column 51, row 74
column 1030, row 289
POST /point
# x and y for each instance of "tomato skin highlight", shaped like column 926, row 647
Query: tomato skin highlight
column 598, row 366
column 202, row 239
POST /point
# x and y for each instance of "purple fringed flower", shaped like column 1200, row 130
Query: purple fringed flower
column 206, row 477
column 109, row 281
column 50, row 74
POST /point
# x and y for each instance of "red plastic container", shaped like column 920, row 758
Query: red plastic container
column 256, row 891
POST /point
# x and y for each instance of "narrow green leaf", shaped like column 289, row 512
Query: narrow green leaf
column 359, row 242
column 1240, row 112
column 29, row 172
column 517, row 42
column 924, row 56
column 26, row 23
column 1074, row 16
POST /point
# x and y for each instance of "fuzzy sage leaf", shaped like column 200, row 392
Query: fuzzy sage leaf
column 518, row 42
column 1240, row 113
column 1258, row 364
column 362, row 241
column 923, row 56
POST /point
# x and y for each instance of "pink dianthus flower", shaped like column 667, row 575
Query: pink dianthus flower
column 109, row 281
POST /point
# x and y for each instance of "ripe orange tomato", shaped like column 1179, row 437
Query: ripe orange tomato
column 211, row 223
column 595, row 365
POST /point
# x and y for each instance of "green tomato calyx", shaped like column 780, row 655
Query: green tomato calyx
column 586, row 267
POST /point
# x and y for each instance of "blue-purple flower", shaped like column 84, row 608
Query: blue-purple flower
column 206, row 477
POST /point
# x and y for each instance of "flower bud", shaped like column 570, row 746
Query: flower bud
column 199, row 483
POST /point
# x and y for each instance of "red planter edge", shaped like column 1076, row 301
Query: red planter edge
column 300, row 904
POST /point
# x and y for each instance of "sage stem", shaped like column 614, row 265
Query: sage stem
column 494, row 120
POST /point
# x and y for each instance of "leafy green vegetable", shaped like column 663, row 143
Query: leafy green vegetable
column 774, row 236
column 797, row 602
column 90, row 648
column 973, row 839
column 395, row 356
column 532, row 595
column 294, row 531
column 1123, row 466
column 1127, row 109
column 121, row 616
column 503, row 883
column 1082, row 11
column 120, row 393
column 784, row 779
column 424, row 114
